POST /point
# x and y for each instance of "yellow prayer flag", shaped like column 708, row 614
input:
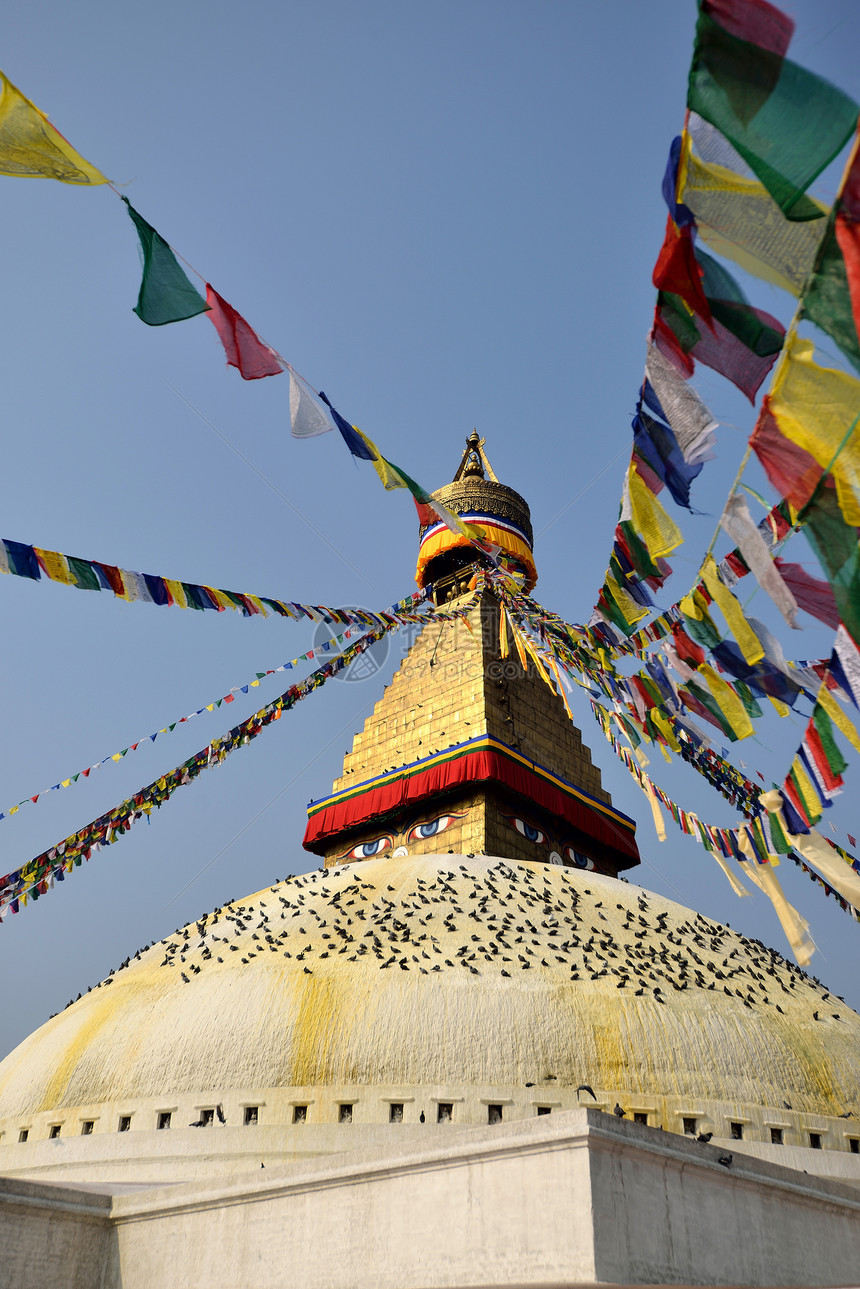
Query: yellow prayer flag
column 662, row 723
column 659, row 826
column 30, row 147
column 660, row 533
column 728, row 701
column 524, row 662
column 808, row 794
column 795, row 927
column 737, row 217
column 503, row 631
column 839, row 718
column 748, row 642
column 176, row 592
column 630, row 610
column 782, row 709
column 817, row 408
column 734, row 881
column 220, row 598
column 55, row 565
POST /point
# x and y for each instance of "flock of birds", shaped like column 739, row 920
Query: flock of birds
column 493, row 919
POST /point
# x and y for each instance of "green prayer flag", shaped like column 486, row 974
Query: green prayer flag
column 778, row 837
column 708, row 701
column 751, row 706
column 84, row 574
column 166, row 295
column 787, row 123
column 703, row 630
column 827, row 299
column 835, row 545
column 639, row 554
column 835, row 759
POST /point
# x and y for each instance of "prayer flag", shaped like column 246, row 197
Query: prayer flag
column 791, row 469
column 243, row 347
column 812, row 595
column 818, row 409
column 22, row 560
column 659, row 533
column 677, row 271
column 753, row 20
column 353, row 439
column 748, row 641
column 725, row 345
column 737, row 522
column 738, row 219
column 832, row 298
column 308, row 417
column 657, row 443
column 691, row 422
column 30, row 147
column 166, row 295
column 787, row 123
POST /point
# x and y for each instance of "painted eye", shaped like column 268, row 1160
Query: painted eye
column 581, row 861
column 367, row 849
column 529, row 831
column 430, row 829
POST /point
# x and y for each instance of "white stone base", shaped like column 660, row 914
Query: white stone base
column 570, row 1199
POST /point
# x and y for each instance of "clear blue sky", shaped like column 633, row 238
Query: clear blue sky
column 445, row 215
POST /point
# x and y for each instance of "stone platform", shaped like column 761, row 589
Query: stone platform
column 576, row 1198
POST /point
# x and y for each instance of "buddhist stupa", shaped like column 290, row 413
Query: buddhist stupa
column 473, row 953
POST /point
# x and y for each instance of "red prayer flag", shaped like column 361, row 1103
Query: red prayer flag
column 243, row 347
column 853, row 840
column 678, row 271
column 813, row 595
column 792, row 470
column 754, row 20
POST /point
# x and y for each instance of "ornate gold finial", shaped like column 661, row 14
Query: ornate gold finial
column 475, row 463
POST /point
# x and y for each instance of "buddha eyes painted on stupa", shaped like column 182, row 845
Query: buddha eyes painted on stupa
column 561, row 852
column 423, row 830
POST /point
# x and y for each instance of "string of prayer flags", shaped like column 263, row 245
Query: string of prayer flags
column 383, row 622
column 243, row 347
column 787, row 123
column 31, row 148
column 92, row 575
column 229, row 697
column 841, row 870
column 37, row 876
column 760, row 839
column 392, row 476
column 166, row 294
